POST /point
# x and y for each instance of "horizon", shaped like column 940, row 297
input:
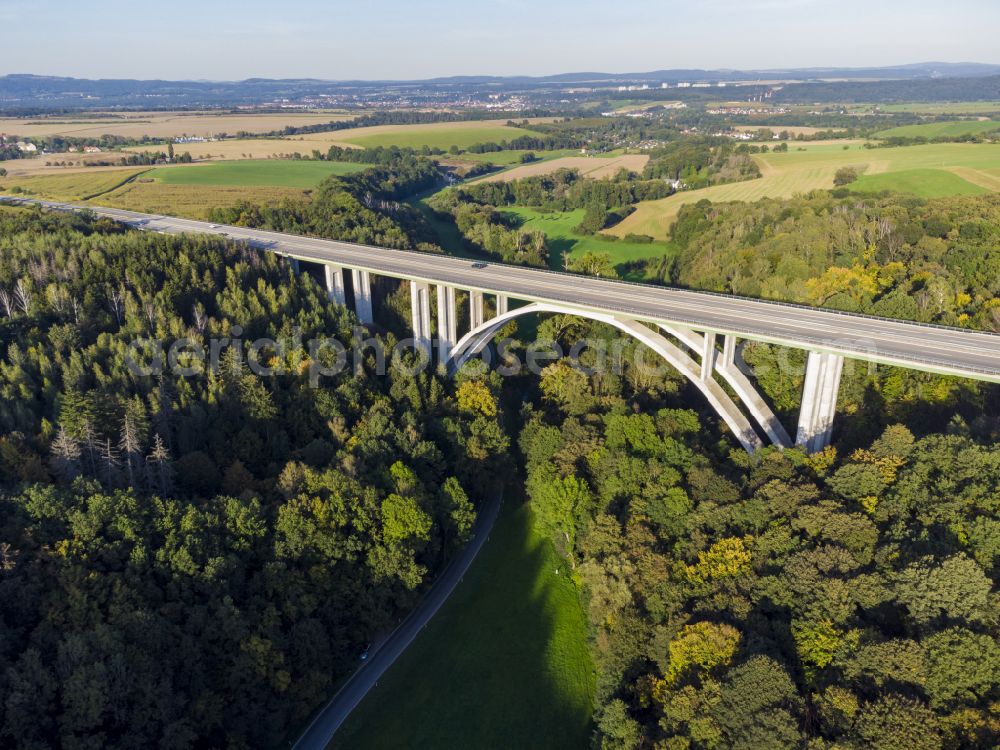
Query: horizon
column 308, row 39
column 538, row 76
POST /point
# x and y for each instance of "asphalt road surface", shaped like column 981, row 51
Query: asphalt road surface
column 933, row 348
column 318, row 734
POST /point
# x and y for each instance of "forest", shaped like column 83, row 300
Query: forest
column 841, row 600
column 364, row 207
column 933, row 261
column 197, row 561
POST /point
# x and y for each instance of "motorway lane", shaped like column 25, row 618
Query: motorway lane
column 322, row 728
column 954, row 351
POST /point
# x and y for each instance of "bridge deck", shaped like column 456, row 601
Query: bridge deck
column 939, row 349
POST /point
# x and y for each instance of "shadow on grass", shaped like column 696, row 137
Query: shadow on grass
column 503, row 664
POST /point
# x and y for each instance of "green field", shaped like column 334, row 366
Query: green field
column 925, row 183
column 941, row 129
column 510, row 158
column 558, row 228
column 503, row 664
column 441, row 135
column 943, row 108
column 958, row 169
column 256, row 173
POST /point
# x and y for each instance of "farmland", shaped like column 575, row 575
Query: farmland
column 964, row 166
column 509, row 157
column 250, row 148
column 191, row 201
column 186, row 190
column 925, row 183
column 72, row 186
column 588, row 166
column 258, row 173
column 441, row 135
column 944, row 108
column 942, row 129
column 793, row 130
column 161, row 124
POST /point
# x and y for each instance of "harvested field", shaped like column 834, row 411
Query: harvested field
column 191, row 201
column 72, row 186
column 589, row 166
column 162, row 124
column 251, row 148
column 441, row 135
column 794, row 130
column 74, row 163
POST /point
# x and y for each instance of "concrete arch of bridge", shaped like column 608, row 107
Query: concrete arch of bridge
column 474, row 342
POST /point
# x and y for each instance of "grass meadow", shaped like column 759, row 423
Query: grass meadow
column 944, row 108
column 941, row 129
column 563, row 243
column 504, row 663
column 932, row 170
column 924, row 183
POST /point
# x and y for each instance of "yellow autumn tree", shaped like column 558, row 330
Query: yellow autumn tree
column 700, row 646
column 726, row 558
column 474, row 397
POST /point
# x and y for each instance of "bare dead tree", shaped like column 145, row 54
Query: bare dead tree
column 116, row 302
column 23, row 296
column 7, row 302
column 159, row 472
column 200, row 318
column 151, row 314
column 76, row 308
column 59, row 299
column 8, row 557
column 65, row 458
column 110, row 464
column 131, row 448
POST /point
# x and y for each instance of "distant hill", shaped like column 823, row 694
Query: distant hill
column 28, row 92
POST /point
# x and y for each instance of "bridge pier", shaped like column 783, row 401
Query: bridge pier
column 475, row 310
column 728, row 351
column 420, row 310
column 501, row 304
column 819, row 401
column 708, row 355
column 362, row 284
column 334, row 277
column 447, row 324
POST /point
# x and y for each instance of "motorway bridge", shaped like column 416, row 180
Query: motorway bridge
column 696, row 332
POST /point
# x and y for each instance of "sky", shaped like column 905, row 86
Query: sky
column 411, row 39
